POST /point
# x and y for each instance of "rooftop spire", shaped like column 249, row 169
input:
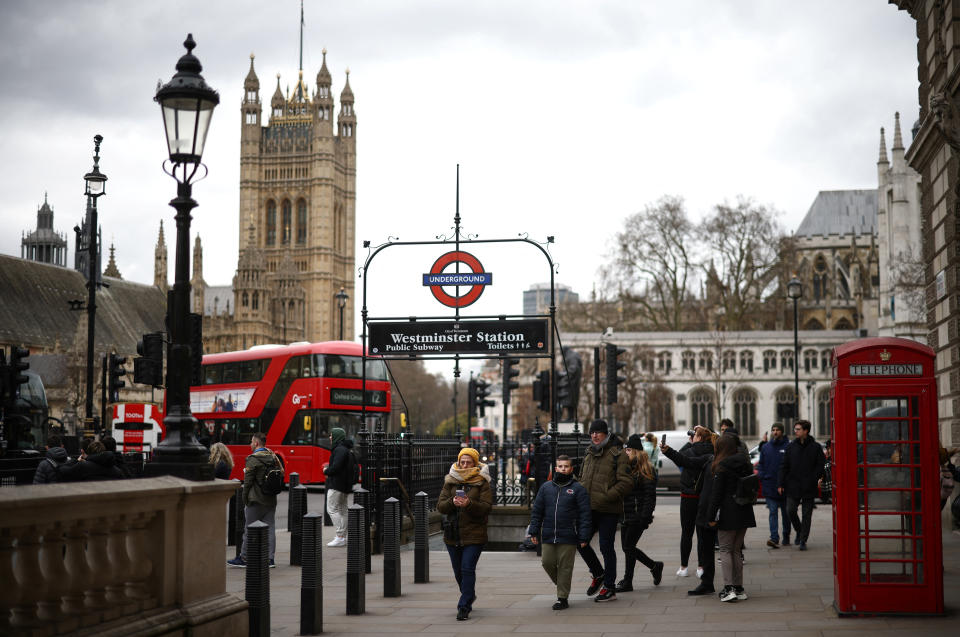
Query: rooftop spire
column 897, row 140
column 301, row 37
column 883, row 148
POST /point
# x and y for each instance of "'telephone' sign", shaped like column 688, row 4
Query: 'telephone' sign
column 897, row 369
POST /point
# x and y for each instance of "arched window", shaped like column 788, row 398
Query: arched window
column 729, row 361
column 256, row 300
column 745, row 411
column 245, row 300
column 809, row 360
column 784, row 400
column 301, row 221
column 286, row 219
column 271, row 223
column 843, row 324
column 769, row 361
column 702, row 408
column 824, row 359
column 786, row 360
column 705, row 361
column 819, row 278
column 746, row 360
column 687, row 359
column 824, row 415
column 664, row 362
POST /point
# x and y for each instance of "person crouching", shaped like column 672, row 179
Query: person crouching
column 560, row 521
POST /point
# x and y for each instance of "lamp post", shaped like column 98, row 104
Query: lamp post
column 341, row 297
column 187, row 104
column 94, row 189
column 795, row 291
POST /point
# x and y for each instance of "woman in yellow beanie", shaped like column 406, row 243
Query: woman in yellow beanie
column 465, row 502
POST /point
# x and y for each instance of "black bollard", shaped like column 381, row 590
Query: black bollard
column 297, row 506
column 356, row 579
column 391, row 547
column 293, row 481
column 363, row 497
column 421, row 547
column 232, row 517
column 311, row 576
column 241, row 520
column 258, row 579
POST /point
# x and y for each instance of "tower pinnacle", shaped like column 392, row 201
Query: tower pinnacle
column 883, row 148
column 897, row 139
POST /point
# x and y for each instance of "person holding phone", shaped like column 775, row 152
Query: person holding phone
column 560, row 519
column 465, row 502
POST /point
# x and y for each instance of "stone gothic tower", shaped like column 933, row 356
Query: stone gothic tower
column 251, row 289
column 197, row 284
column 297, row 193
column 160, row 262
column 44, row 244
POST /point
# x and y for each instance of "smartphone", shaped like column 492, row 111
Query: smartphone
column 663, row 440
column 461, row 493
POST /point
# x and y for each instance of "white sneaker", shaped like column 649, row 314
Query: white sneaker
column 699, row 571
column 682, row 572
column 337, row 541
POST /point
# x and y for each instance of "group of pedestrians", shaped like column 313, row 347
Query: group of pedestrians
column 97, row 460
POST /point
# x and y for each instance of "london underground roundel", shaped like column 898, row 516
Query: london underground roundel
column 474, row 280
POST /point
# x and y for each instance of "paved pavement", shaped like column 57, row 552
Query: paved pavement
column 791, row 593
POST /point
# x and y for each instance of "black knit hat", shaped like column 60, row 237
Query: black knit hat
column 635, row 441
column 599, row 426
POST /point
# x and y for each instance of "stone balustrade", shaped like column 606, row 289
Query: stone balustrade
column 121, row 557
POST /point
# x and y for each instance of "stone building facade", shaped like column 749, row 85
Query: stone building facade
column 44, row 244
column 935, row 155
column 297, row 222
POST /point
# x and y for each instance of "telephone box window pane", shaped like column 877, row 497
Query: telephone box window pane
column 891, row 572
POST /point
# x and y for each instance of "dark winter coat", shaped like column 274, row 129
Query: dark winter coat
column 561, row 513
column 255, row 472
column 728, row 514
column 701, row 466
column 339, row 471
column 690, row 477
column 471, row 520
column 768, row 469
column 639, row 504
column 100, row 466
column 48, row 471
column 222, row 470
column 802, row 466
column 605, row 474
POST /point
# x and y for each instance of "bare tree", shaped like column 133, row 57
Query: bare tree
column 427, row 395
column 907, row 278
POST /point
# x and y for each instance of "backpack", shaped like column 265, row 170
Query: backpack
column 356, row 476
column 747, row 489
column 272, row 483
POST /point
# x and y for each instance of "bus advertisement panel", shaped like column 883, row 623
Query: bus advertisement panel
column 295, row 394
column 136, row 426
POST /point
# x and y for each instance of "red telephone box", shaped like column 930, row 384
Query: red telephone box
column 887, row 549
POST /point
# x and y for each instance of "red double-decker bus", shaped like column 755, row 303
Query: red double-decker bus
column 295, row 394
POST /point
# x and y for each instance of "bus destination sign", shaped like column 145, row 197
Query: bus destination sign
column 526, row 336
column 344, row 396
column 887, row 369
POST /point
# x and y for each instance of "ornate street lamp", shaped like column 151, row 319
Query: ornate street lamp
column 95, row 187
column 341, row 297
column 187, row 105
column 795, row 291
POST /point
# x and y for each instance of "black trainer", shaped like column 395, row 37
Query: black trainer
column 702, row 590
column 623, row 586
column 605, row 595
column 561, row 603
column 463, row 614
column 595, row 585
column 657, row 572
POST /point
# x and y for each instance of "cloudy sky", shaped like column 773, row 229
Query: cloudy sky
column 565, row 116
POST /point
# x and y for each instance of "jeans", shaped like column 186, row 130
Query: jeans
column 260, row 513
column 731, row 551
column 775, row 506
column 629, row 536
column 606, row 525
column 806, row 507
column 557, row 561
column 464, row 561
column 688, row 524
column 337, row 508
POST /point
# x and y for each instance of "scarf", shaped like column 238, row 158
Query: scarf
column 562, row 479
column 473, row 475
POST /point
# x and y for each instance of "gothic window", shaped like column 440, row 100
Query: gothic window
column 769, row 361
column 664, row 361
column 251, row 96
column 824, row 414
column 301, row 221
column 245, row 300
column 746, row 360
column 786, row 360
column 824, row 359
column 687, row 361
column 256, row 301
column 745, row 411
column 729, row 361
column 809, row 360
column 705, row 361
column 819, row 278
column 784, row 396
column 251, row 118
column 277, row 111
column 286, row 221
column 701, row 408
column 271, row 223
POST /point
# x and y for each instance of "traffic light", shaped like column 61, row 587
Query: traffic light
column 471, row 400
column 541, row 391
column 483, row 390
column 18, row 365
column 510, row 372
column 563, row 392
column 148, row 367
column 116, row 371
column 403, row 420
column 613, row 368
column 196, row 348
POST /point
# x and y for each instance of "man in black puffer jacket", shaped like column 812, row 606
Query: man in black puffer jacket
column 561, row 515
column 802, row 467
column 48, row 470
